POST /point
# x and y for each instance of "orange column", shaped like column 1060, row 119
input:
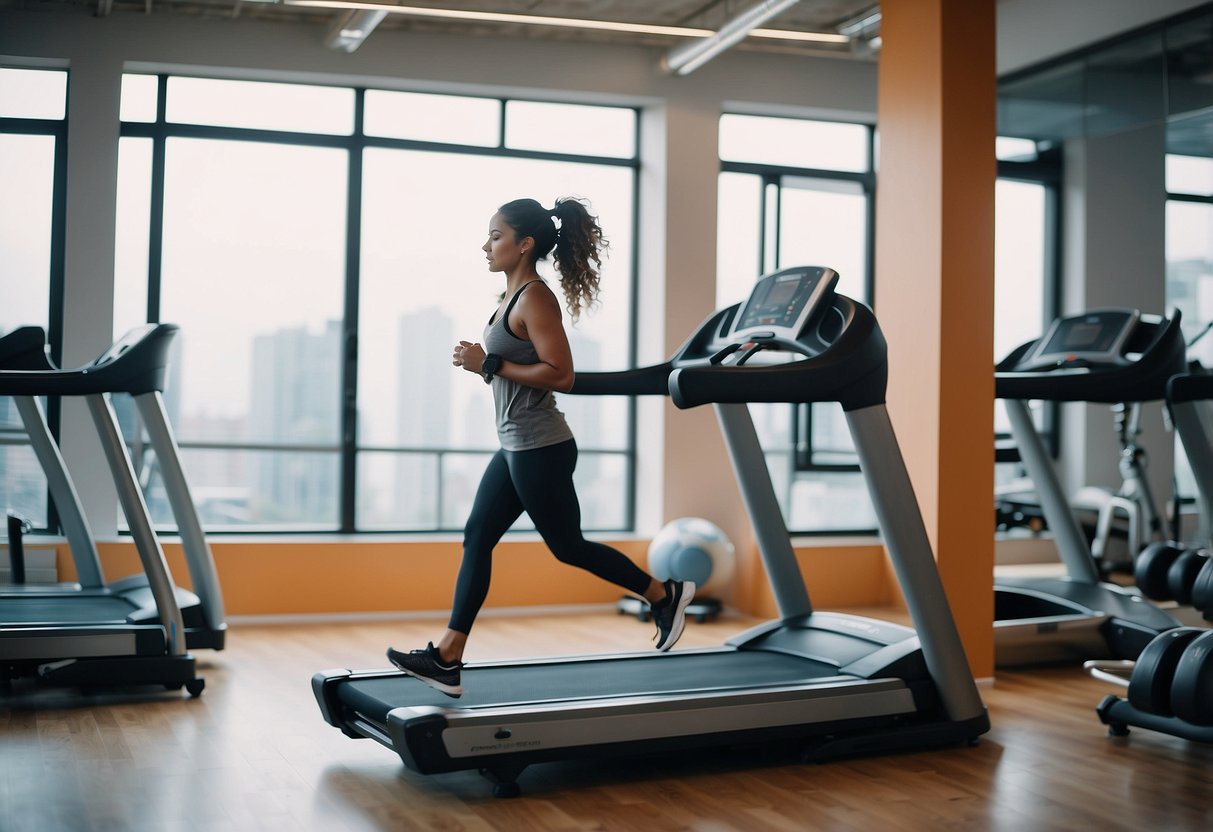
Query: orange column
column 935, row 282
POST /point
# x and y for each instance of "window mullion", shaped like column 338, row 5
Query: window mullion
column 349, row 339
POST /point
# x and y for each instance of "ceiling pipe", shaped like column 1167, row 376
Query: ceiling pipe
column 352, row 28
column 684, row 60
column 864, row 31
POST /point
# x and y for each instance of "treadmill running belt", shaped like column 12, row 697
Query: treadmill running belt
column 66, row 609
column 625, row 676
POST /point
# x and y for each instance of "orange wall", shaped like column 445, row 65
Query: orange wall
column 935, row 283
column 302, row 577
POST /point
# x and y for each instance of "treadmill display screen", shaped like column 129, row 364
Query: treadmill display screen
column 1093, row 337
column 782, row 303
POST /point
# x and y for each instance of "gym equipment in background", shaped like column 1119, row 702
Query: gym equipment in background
column 1134, row 499
column 1174, row 571
column 1104, row 356
column 1168, row 689
column 840, row 684
column 17, row 528
column 136, row 364
column 131, row 632
column 688, row 549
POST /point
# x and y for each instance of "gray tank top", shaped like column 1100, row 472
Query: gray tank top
column 527, row 417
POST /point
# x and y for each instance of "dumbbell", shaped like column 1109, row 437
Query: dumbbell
column 1192, row 687
column 1152, row 566
column 1202, row 590
column 1181, row 577
column 1151, row 682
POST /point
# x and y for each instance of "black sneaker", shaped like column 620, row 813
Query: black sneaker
column 670, row 614
column 428, row 666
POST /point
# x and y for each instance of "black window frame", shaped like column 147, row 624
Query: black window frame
column 160, row 130
column 802, row 453
column 58, row 129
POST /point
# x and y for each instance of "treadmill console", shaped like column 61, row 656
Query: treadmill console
column 119, row 347
column 1094, row 338
column 783, row 303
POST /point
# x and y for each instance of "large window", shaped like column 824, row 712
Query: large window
column 33, row 109
column 797, row 192
column 1025, row 275
column 1190, row 268
column 321, row 256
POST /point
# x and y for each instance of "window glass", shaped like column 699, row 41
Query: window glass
column 794, row 142
column 139, row 94
column 1014, row 150
column 1190, row 288
column 253, row 269
column 133, row 232
column 571, row 128
column 824, row 222
column 1019, row 271
column 23, row 486
column 236, row 489
column 738, row 237
column 770, row 219
column 1189, row 175
column 432, row 118
column 33, row 93
column 27, row 171
column 425, row 286
column 260, row 105
column 383, row 504
column 27, row 201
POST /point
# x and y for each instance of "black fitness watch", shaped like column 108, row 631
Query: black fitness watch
column 490, row 367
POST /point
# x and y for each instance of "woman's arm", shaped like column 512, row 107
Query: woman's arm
column 535, row 317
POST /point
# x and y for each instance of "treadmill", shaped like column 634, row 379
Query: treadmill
column 132, row 631
column 202, row 609
column 1188, row 398
column 1102, row 356
column 842, row 684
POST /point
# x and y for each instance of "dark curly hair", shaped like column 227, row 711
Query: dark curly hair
column 578, row 242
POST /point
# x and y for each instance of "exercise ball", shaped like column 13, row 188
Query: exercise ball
column 692, row 549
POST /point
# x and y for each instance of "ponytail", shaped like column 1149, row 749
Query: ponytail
column 578, row 243
column 579, row 247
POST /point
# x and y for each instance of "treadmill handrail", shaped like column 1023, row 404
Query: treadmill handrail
column 641, row 381
column 852, row 368
column 137, row 363
column 1189, row 387
column 25, row 349
column 1143, row 380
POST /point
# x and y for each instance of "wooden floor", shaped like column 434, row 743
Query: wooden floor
column 252, row 753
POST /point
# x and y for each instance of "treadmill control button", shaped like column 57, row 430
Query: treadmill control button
column 503, row 734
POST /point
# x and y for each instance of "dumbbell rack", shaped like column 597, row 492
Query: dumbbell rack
column 1169, row 687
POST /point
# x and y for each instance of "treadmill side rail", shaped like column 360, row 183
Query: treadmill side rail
column 431, row 740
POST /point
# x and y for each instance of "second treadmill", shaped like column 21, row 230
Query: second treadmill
column 132, row 632
column 1104, row 356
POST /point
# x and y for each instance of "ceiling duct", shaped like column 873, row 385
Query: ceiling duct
column 684, row 60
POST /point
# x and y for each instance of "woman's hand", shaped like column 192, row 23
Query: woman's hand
column 469, row 356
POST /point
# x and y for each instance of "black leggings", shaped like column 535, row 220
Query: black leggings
column 539, row 482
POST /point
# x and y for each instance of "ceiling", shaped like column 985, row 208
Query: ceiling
column 808, row 15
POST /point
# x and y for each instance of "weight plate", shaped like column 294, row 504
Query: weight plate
column 1181, row 577
column 1150, row 570
column 1192, row 688
column 1150, row 682
column 1202, row 589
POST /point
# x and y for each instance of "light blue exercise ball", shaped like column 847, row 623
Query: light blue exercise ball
column 692, row 549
